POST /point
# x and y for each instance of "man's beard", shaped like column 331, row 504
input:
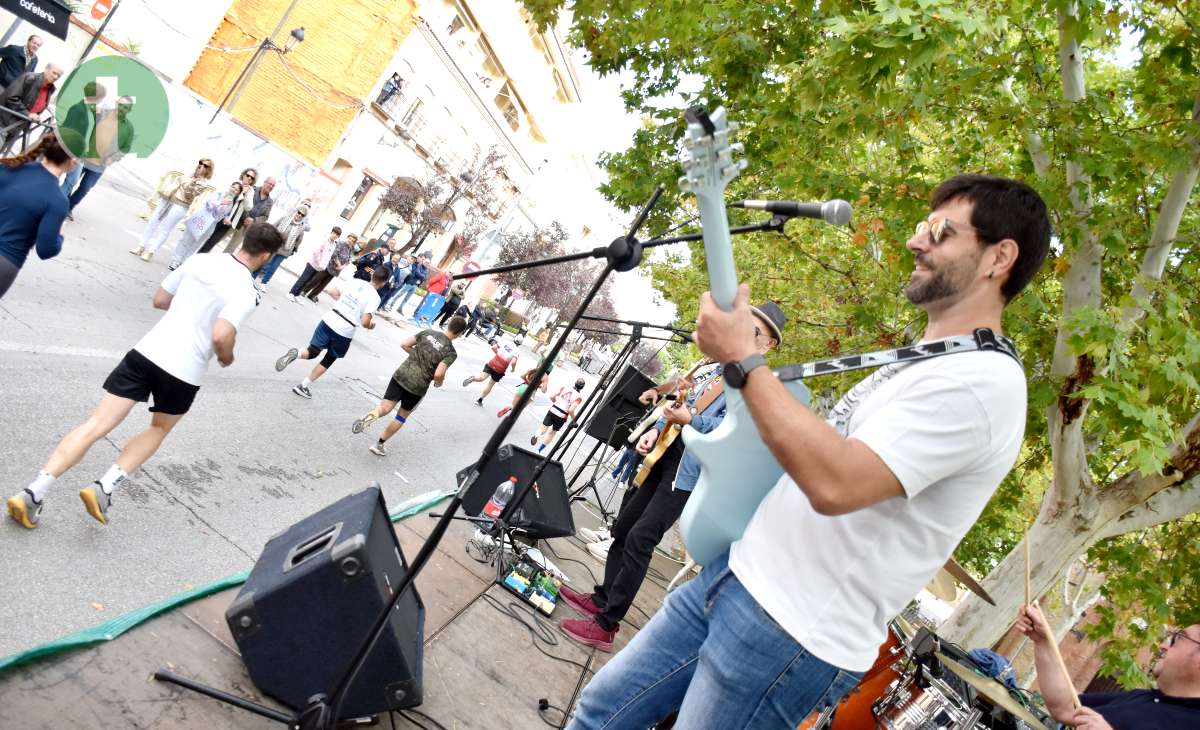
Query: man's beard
column 944, row 281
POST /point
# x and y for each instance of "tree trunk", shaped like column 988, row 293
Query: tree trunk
column 1135, row 501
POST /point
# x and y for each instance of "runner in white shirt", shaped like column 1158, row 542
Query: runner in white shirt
column 562, row 408
column 206, row 301
column 355, row 304
column 872, row 501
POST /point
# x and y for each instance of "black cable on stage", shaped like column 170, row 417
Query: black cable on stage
column 415, row 711
column 539, row 631
column 544, row 706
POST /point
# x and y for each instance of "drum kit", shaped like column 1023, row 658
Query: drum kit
column 920, row 683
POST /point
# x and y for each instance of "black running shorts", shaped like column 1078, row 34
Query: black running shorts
column 554, row 420
column 495, row 376
column 137, row 378
column 399, row 394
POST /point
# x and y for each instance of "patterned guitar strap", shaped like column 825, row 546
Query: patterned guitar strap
column 889, row 363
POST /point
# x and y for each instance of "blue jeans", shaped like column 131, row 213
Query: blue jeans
column 85, row 177
column 628, row 463
column 714, row 655
column 402, row 294
column 268, row 269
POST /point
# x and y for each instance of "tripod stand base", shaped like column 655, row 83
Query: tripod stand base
column 241, row 703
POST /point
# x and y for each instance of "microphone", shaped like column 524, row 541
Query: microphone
column 835, row 212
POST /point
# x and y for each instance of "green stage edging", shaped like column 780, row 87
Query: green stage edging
column 110, row 630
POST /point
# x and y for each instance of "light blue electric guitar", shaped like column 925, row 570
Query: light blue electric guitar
column 737, row 467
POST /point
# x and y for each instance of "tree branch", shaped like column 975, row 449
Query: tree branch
column 1169, row 215
column 1170, row 504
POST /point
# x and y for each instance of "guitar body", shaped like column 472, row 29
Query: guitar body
column 737, row 471
column 665, row 439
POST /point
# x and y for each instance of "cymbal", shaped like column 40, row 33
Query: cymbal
column 960, row 573
column 992, row 690
column 943, row 586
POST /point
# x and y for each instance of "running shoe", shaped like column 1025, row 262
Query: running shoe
column 479, row 402
column 288, row 358
column 25, row 509
column 503, row 411
column 599, row 535
column 467, row 380
column 136, row 250
column 378, row 449
column 533, row 440
column 599, row 550
column 172, row 266
column 360, row 425
column 97, row 502
column 302, row 391
column 147, row 255
column 292, row 298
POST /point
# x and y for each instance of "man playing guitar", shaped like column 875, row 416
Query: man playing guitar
column 872, row 502
column 648, row 511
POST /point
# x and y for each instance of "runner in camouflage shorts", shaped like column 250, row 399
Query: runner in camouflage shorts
column 430, row 354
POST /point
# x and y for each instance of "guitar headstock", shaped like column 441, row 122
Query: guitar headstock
column 708, row 156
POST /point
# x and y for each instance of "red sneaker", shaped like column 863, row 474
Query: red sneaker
column 589, row 633
column 581, row 602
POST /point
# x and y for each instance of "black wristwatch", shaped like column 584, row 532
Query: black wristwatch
column 737, row 372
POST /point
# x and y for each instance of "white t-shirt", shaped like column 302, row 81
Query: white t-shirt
column 564, row 399
column 949, row 428
column 207, row 287
column 358, row 298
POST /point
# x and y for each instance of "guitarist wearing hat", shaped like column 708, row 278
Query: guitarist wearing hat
column 648, row 511
column 872, row 501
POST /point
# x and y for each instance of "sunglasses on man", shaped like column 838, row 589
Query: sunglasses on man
column 938, row 228
column 1177, row 634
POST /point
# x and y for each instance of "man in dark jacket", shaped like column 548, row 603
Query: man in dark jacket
column 28, row 96
column 369, row 261
column 16, row 60
column 416, row 276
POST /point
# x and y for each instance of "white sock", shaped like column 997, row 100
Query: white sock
column 305, row 383
column 40, row 485
column 112, row 478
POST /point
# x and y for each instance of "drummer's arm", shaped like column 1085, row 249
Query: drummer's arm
column 1059, row 696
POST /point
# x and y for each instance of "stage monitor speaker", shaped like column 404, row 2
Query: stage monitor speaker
column 312, row 596
column 546, row 512
column 621, row 410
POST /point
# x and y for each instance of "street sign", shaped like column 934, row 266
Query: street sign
column 470, row 267
column 51, row 16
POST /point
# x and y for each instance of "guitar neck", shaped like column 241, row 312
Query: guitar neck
column 718, row 251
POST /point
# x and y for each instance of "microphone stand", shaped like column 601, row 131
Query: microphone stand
column 623, row 254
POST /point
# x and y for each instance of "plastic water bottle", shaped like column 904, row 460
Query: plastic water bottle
column 503, row 493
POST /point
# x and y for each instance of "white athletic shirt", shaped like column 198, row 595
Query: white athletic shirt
column 949, row 428
column 208, row 287
column 358, row 298
column 562, row 401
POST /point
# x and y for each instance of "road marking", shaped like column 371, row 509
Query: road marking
column 7, row 346
column 401, row 476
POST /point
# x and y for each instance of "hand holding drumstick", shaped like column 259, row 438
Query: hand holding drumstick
column 1061, row 698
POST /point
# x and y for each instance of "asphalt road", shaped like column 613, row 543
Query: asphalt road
column 250, row 458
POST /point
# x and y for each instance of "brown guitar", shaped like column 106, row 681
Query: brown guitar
column 665, row 439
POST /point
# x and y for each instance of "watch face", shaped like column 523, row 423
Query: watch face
column 734, row 376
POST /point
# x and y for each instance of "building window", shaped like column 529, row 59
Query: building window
column 507, row 108
column 357, row 198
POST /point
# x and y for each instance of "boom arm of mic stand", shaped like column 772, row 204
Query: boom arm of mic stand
column 622, row 254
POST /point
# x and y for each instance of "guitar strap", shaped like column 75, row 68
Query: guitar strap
column 980, row 339
column 707, row 397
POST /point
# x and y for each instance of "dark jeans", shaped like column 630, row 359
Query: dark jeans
column 447, row 312
column 628, row 465
column 87, row 180
column 317, row 284
column 646, row 514
column 217, row 234
column 305, row 277
column 268, row 269
column 472, row 325
column 8, row 274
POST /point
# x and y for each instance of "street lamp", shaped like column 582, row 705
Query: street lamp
column 295, row 38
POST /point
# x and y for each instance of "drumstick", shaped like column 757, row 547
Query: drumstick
column 1062, row 666
column 1027, row 567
